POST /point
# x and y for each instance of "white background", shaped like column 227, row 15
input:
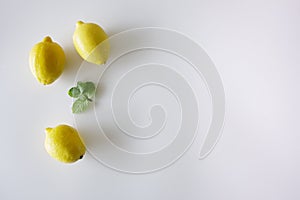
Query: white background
column 255, row 46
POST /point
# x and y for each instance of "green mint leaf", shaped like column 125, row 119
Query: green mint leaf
column 87, row 88
column 81, row 86
column 80, row 105
column 74, row 92
column 84, row 92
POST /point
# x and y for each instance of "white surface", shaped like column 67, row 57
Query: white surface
column 255, row 46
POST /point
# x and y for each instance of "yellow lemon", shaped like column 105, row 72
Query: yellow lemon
column 64, row 143
column 91, row 42
column 47, row 60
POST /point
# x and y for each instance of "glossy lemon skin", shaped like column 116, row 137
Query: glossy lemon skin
column 91, row 42
column 47, row 60
column 64, row 143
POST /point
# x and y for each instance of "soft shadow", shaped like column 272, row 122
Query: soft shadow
column 73, row 62
column 89, row 139
column 99, row 92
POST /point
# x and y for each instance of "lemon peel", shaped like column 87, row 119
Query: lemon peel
column 91, row 42
column 64, row 143
column 47, row 60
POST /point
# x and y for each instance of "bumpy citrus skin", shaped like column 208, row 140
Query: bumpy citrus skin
column 64, row 143
column 47, row 60
column 91, row 42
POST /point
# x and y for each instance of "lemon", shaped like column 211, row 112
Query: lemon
column 64, row 143
column 91, row 42
column 47, row 60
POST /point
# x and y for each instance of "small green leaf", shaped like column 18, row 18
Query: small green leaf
column 81, row 86
column 74, row 92
column 90, row 90
column 87, row 88
column 80, row 105
column 84, row 92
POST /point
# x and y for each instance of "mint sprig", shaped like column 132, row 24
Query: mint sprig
column 84, row 93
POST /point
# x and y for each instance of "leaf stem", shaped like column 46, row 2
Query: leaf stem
column 90, row 100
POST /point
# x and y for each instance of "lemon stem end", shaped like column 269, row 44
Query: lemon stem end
column 79, row 23
column 48, row 130
column 47, row 39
